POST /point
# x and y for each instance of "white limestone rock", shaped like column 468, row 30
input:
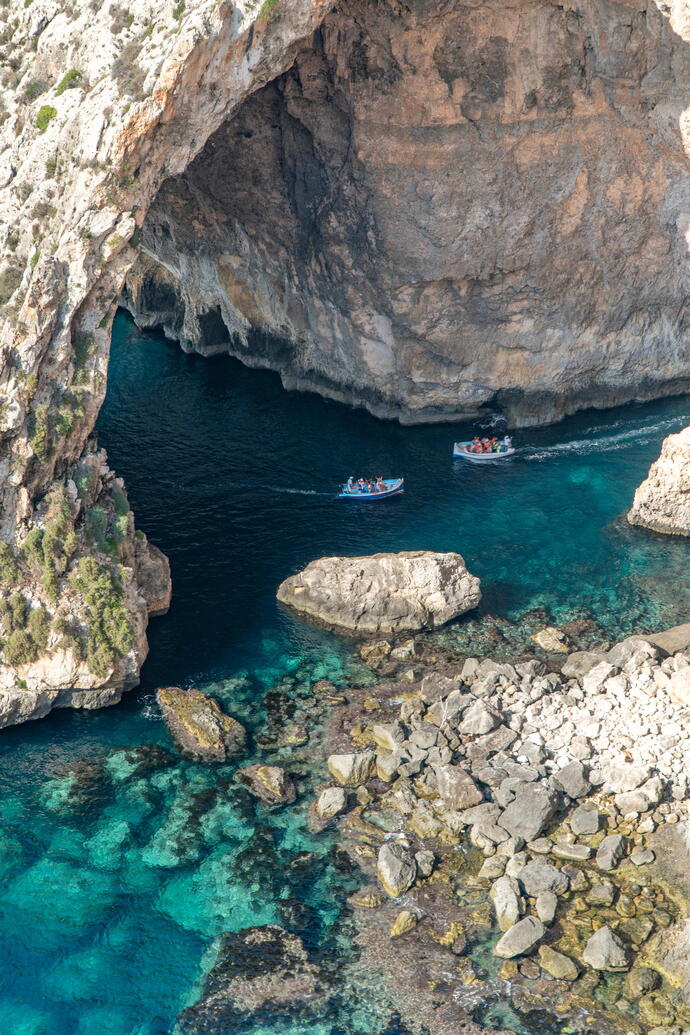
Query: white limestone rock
column 383, row 592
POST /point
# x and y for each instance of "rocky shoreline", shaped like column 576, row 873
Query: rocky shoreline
column 528, row 797
column 518, row 828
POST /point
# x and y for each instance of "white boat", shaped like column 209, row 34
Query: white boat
column 463, row 451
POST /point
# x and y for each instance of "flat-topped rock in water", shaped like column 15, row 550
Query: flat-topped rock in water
column 270, row 783
column 383, row 592
column 662, row 502
column 199, row 726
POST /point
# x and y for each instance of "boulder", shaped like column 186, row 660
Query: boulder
column 605, row 950
column 574, row 852
column 505, row 895
column 546, row 906
column 577, row 665
column 331, row 801
column 351, row 770
column 520, row 939
column 260, row 971
column 624, row 776
column 584, row 820
column 557, row 965
column 456, row 787
column 199, row 726
column 479, row 718
column 662, row 502
column 396, row 868
column 270, row 783
column 383, row 592
column 643, row 798
column 572, row 779
column 610, row 852
column 670, row 641
column 530, row 811
column 388, row 736
column 540, row 875
column 679, row 686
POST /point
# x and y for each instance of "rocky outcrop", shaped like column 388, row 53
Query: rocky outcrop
column 384, row 592
column 260, row 971
column 75, row 598
column 662, row 502
column 199, row 726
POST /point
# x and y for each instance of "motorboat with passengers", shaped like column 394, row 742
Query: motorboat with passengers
column 371, row 488
column 482, row 451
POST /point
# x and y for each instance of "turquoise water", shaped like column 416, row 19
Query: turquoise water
column 119, row 867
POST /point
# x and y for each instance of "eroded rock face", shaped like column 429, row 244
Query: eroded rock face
column 437, row 209
column 662, row 502
column 384, row 592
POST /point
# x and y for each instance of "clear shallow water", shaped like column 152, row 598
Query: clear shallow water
column 117, row 874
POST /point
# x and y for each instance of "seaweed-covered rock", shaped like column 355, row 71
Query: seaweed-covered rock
column 199, row 726
column 268, row 782
column 260, row 973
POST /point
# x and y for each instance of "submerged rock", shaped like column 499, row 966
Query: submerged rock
column 662, row 502
column 270, row 783
column 383, row 592
column 199, row 726
column 261, row 972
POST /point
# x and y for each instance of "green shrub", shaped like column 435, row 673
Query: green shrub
column 97, row 527
column 10, row 279
column 18, row 608
column 34, row 89
column 39, row 438
column 110, row 633
column 268, row 9
column 45, row 114
column 179, row 10
column 120, row 501
column 39, row 627
column 34, row 259
column 69, row 80
column 9, row 569
column 51, row 166
column 20, row 649
column 32, row 548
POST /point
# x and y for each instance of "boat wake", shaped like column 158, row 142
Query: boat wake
column 630, row 434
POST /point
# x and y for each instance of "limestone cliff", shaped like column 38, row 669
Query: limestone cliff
column 662, row 502
column 443, row 207
column 100, row 104
column 423, row 208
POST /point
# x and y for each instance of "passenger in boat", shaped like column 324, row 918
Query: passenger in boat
column 350, row 484
column 380, row 485
column 486, row 446
column 507, row 442
column 476, row 446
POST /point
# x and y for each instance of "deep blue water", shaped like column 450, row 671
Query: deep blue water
column 116, row 882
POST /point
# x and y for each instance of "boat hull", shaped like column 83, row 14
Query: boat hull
column 394, row 487
column 460, row 453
